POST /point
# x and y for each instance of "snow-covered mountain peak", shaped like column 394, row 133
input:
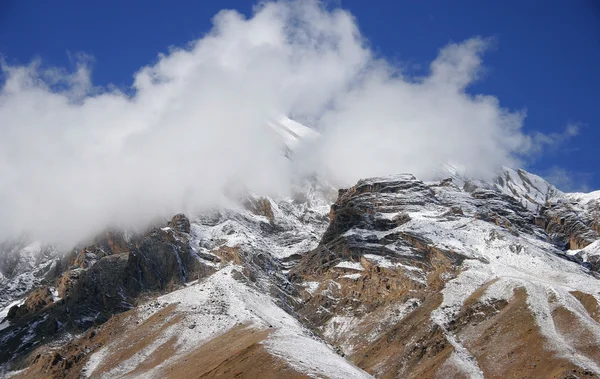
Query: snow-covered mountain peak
column 532, row 191
column 584, row 198
column 525, row 185
column 292, row 133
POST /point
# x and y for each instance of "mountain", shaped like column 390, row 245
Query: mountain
column 290, row 132
column 426, row 279
column 393, row 277
column 532, row 191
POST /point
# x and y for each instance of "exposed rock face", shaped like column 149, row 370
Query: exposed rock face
column 67, row 281
column 260, row 207
column 571, row 223
column 161, row 260
column 104, row 245
column 405, row 279
column 35, row 302
column 180, row 223
column 374, row 285
column 107, row 279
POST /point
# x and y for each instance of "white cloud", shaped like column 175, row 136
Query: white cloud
column 541, row 142
column 75, row 158
column 568, row 181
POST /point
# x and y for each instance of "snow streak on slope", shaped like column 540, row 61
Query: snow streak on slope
column 514, row 261
column 216, row 305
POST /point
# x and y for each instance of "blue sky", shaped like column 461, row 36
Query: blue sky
column 544, row 58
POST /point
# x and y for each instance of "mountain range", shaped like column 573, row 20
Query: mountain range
column 392, row 277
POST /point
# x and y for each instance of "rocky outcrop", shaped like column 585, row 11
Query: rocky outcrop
column 180, row 223
column 504, row 211
column 108, row 243
column 570, row 224
column 161, row 260
column 35, row 302
column 357, row 206
column 261, row 207
column 108, row 280
column 25, row 266
column 67, row 282
column 373, row 286
column 570, row 221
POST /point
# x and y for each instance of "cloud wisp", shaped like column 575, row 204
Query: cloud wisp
column 75, row 158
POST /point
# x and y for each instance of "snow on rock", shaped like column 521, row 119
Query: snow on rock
column 379, row 260
column 311, row 287
column 583, row 255
column 296, row 226
column 444, row 216
column 531, row 189
column 350, row 266
column 351, row 276
column 528, row 189
column 4, row 312
column 339, row 326
column 346, row 328
column 23, row 265
column 584, row 198
column 21, row 284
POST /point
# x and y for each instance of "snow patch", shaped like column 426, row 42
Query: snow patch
column 350, row 265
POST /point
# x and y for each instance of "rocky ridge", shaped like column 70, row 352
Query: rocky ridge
column 399, row 277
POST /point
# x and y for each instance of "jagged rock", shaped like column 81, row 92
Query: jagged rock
column 571, row 225
column 353, row 210
column 35, row 302
column 157, row 261
column 67, row 281
column 99, row 292
column 180, row 223
column 261, row 207
column 161, row 260
column 359, row 215
column 108, row 243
